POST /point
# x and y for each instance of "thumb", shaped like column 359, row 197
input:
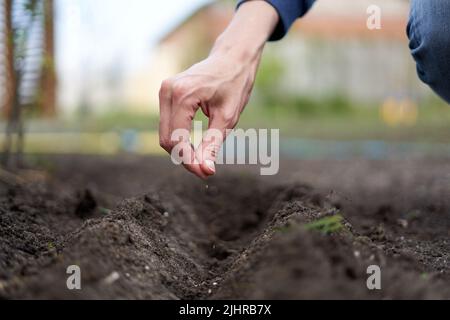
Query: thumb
column 209, row 149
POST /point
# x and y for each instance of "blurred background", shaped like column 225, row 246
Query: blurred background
column 82, row 77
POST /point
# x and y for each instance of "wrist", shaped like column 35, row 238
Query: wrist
column 247, row 34
column 237, row 50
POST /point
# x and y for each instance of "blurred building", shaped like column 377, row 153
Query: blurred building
column 188, row 42
column 333, row 50
column 330, row 51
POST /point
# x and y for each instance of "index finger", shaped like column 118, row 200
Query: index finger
column 180, row 128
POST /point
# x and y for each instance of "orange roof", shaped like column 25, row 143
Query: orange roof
column 330, row 26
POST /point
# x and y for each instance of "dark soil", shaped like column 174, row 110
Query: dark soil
column 239, row 236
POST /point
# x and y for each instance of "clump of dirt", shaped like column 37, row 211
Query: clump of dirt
column 237, row 237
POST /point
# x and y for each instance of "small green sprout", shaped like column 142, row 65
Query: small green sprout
column 327, row 225
column 104, row 211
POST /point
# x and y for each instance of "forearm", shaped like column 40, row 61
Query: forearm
column 288, row 11
column 248, row 32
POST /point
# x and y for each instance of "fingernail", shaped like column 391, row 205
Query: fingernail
column 210, row 164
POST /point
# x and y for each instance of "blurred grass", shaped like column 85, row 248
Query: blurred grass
column 106, row 143
column 335, row 118
column 332, row 118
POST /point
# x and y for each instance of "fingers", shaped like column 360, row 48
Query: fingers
column 180, row 127
column 185, row 152
column 212, row 142
column 177, row 111
column 179, row 102
column 165, row 107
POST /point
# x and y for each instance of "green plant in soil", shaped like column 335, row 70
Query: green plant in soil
column 327, row 225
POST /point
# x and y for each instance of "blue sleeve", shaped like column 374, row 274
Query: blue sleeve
column 289, row 11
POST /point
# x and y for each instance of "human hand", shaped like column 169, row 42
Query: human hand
column 220, row 86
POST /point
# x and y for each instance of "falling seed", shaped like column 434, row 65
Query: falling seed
column 403, row 223
column 357, row 254
column 166, row 214
column 127, row 275
column 147, row 268
column 215, row 284
column 113, row 277
column 209, row 291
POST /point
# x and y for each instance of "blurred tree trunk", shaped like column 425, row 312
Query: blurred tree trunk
column 8, row 58
column 12, row 106
column 16, row 48
column 47, row 90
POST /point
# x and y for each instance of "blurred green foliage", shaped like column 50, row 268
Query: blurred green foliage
column 269, row 93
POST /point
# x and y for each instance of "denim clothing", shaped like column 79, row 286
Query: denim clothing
column 289, row 11
column 429, row 34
